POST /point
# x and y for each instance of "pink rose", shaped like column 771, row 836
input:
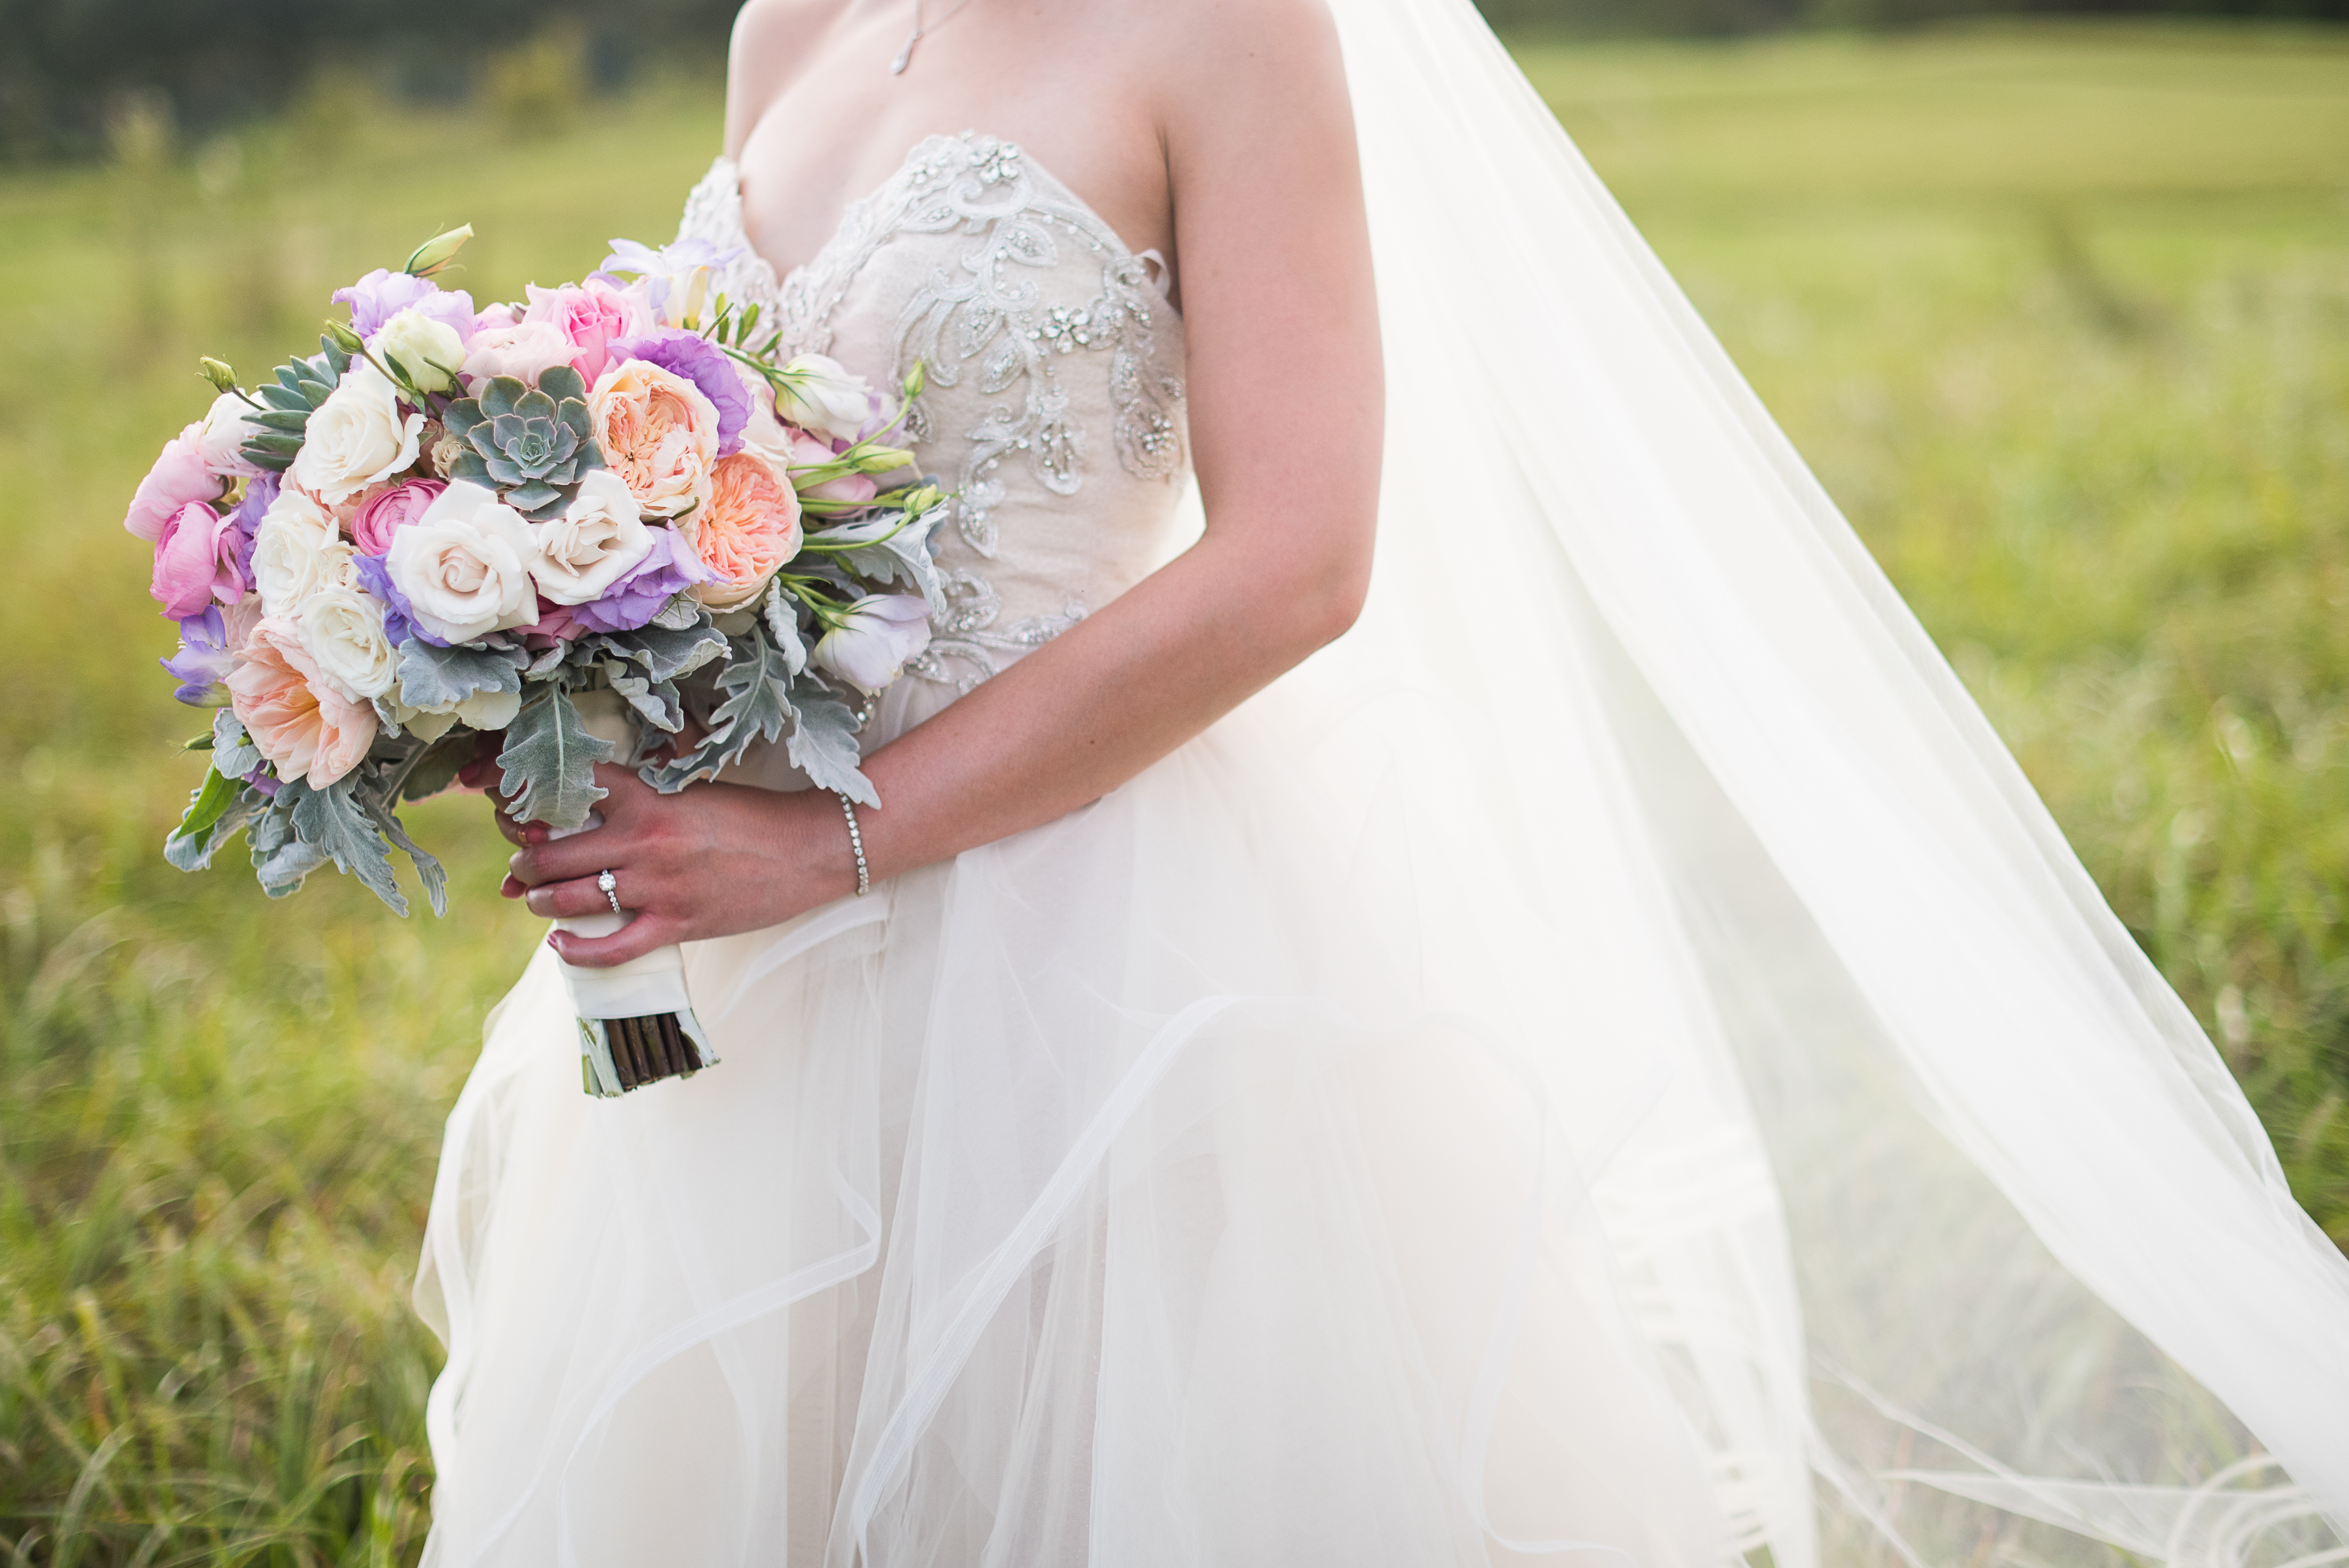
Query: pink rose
column 195, row 562
column 388, row 509
column 525, row 351
column 555, row 623
column 591, row 316
column 296, row 719
column 179, row 475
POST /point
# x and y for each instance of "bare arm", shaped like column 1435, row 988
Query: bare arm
column 1284, row 399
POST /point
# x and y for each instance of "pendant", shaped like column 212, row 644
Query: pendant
column 905, row 55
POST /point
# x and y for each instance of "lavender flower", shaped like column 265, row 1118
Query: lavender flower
column 704, row 364
column 382, row 294
column 669, row 568
column 203, row 660
column 398, row 616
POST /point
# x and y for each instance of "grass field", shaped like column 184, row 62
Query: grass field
column 2062, row 317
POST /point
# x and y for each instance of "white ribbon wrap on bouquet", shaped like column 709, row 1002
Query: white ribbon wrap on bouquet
column 651, row 986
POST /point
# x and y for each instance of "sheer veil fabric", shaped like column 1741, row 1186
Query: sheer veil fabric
column 1609, row 1061
column 2042, row 1256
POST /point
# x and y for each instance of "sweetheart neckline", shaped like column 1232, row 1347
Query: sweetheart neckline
column 848, row 214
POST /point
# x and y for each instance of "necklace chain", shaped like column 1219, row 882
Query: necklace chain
column 905, row 55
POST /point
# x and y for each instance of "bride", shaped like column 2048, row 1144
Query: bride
column 1606, row 1060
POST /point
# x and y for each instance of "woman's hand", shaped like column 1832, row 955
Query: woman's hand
column 710, row 861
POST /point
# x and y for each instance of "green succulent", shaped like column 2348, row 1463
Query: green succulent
column 532, row 443
column 301, row 386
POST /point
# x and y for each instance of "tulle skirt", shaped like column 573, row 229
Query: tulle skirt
column 1261, row 1167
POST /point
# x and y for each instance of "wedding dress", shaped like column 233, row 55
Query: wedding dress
column 1607, row 1062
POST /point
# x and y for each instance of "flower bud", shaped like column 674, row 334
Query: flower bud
column 881, row 459
column 343, row 338
column 218, row 373
column 438, row 252
column 915, row 379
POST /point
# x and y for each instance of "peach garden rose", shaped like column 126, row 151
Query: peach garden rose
column 305, row 728
column 750, row 527
column 658, row 433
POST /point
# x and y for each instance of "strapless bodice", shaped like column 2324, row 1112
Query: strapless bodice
column 1054, row 363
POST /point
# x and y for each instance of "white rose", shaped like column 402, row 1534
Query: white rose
column 820, row 393
column 298, row 551
column 464, row 566
column 872, row 645
column 599, row 539
column 358, row 437
column 342, row 629
column 428, row 350
column 222, row 434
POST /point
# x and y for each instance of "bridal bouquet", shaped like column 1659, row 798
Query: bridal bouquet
column 603, row 524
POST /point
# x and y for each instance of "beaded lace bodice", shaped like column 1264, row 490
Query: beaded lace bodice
column 1053, row 403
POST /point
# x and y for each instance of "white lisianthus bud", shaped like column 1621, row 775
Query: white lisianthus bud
column 464, row 566
column 599, row 539
column 490, row 710
column 298, row 551
column 358, row 437
column 342, row 630
column 872, row 642
column 428, row 350
column 819, row 393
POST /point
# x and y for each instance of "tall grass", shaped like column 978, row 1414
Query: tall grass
column 2062, row 317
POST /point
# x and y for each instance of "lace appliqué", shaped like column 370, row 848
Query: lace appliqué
column 986, row 317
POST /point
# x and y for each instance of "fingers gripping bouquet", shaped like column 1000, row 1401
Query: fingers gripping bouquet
column 603, row 524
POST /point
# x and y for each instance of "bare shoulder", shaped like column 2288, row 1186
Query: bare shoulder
column 1266, row 62
column 772, row 40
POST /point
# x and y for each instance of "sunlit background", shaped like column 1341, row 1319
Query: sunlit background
column 2059, row 309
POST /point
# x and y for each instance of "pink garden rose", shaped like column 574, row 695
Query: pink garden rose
column 590, row 316
column 525, row 351
column 296, row 719
column 179, row 475
column 196, row 562
column 393, row 507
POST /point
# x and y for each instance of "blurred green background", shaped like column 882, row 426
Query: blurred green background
column 2060, row 312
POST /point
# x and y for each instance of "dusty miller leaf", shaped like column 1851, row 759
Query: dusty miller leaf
column 666, row 653
column 756, row 683
column 428, row 869
column 282, row 858
column 440, row 678
column 824, row 747
column 333, row 823
column 234, row 753
column 782, row 618
column 897, row 555
column 549, row 761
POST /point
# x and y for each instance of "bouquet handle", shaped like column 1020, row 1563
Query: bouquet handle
column 636, row 1022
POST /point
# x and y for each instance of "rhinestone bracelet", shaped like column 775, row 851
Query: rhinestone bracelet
column 856, row 843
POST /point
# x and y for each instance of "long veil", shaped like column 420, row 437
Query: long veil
column 1951, row 1233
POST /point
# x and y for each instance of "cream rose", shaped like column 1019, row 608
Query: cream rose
column 464, row 566
column 598, row 540
column 356, row 438
column 429, row 350
column 658, row 433
column 298, row 550
column 342, row 632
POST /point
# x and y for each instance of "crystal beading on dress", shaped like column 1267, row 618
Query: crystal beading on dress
column 1039, row 329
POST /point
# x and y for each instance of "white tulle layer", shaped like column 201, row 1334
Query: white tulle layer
column 1113, row 1194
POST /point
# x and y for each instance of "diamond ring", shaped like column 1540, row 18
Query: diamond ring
column 610, row 887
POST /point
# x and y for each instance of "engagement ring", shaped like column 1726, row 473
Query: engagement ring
column 610, row 885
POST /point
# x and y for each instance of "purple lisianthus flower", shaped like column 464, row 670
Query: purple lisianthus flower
column 399, row 621
column 383, row 294
column 676, row 276
column 701, row 362
column 260, row 494
column 260, row 779
column 667, row 569
column 203, row 660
